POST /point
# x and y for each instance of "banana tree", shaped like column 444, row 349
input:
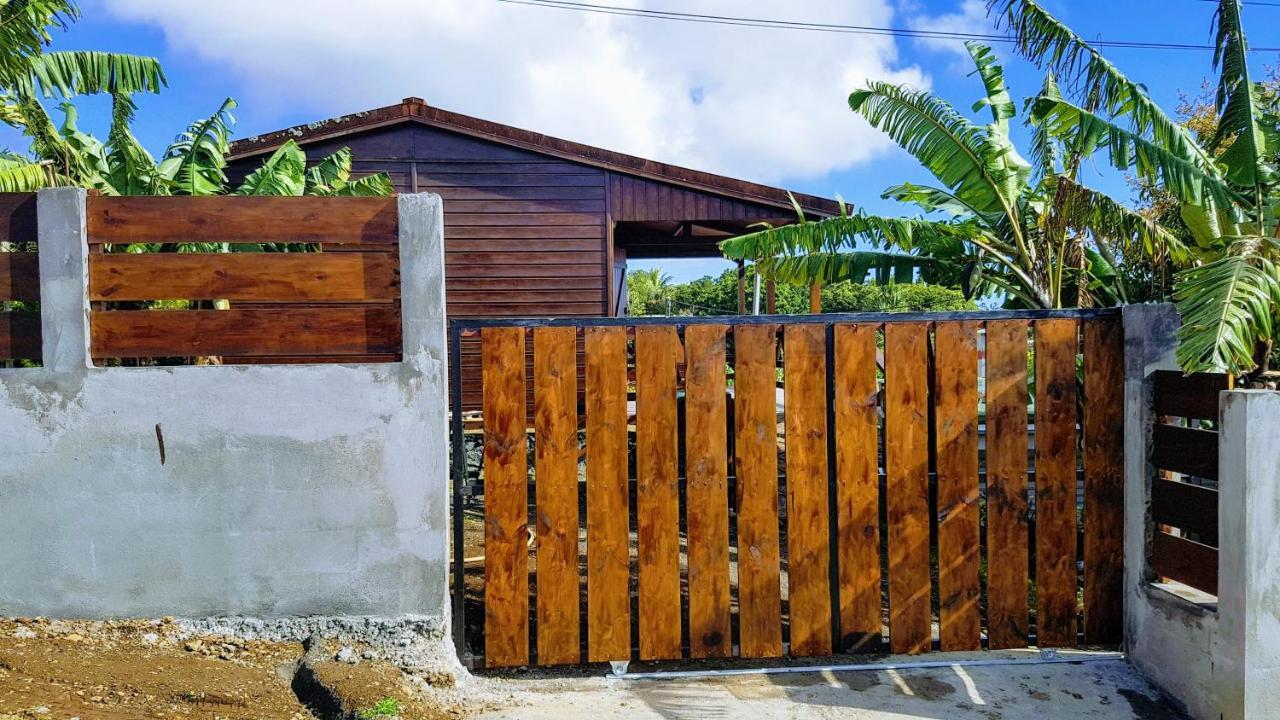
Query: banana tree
column 1229, row 297
column 28, row 73
column 996, row 223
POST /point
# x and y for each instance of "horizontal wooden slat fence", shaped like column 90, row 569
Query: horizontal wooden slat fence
column 792, row 486
column 1184, row 493
column 268, row 279
column 19, row 281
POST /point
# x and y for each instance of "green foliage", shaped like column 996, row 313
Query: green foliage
column 719, row 296
column 1218, row 167
column 387, row 707
column 1008, row 230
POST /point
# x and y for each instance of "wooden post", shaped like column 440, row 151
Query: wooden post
column 742, row 287
column 815, row 298
column 771, row 302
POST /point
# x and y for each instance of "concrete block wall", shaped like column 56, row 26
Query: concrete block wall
column 267, row 491
column 1222, row 662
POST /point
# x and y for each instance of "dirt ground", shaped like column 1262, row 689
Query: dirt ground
column 150, row 669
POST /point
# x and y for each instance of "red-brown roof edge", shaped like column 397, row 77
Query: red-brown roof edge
column 416, row 110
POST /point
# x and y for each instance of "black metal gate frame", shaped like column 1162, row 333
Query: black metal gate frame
column 461, row 326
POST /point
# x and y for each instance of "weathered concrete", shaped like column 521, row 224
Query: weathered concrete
column 1221, row 660
column 268, row 491
column 1247, row 650
column 1100, row 690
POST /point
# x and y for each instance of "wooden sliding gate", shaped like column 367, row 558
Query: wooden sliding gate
column 668, row 488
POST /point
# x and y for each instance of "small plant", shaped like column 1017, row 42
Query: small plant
column 385, row 708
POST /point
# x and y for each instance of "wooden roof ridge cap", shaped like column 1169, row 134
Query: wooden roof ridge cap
column 416, row 109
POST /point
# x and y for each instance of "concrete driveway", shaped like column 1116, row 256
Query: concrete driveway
column 1100, row 689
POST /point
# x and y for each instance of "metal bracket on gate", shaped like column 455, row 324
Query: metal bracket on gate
column 619, row 668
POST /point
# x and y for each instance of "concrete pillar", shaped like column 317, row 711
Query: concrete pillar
column 1150, row 341
column 1248, row 644
column 64, row 279
column 422, row 307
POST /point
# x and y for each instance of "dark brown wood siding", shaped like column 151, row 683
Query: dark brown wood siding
column 642, row 200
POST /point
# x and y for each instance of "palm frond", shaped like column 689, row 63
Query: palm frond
column 331, row 172
column 1002, row 108
column 281, row 174
column 375, row 185
column 81, row 72
column 1049, row 44
column 854, row 266
column 1228, row 306
column 24, row 31
column 929, row 199
column 21, row 175
column 960, row 154
column 1108, row 222
column 194, row 161
column 1191, row 180
column 131, row 170
column 1246, row 159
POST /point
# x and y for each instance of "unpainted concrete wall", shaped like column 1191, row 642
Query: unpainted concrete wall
column 1221, row 661
column 268, row 491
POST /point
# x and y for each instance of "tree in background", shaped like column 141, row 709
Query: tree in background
column 719, row 296
column 1219, row 167
column 1029, row 232
column 649, row 292
column 29, row 73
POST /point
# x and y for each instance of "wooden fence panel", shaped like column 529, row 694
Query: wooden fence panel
column 1188, row 507
column 707, row 493
column 19, row 276
column 906, row 353
column 657, row 492
column 756, row 453
column 18, row 217
column 956, row 443
column 244, row 276
column 20, row 335
column 1188, row 396
column 808, row 518
column 1103, row 481
column 1189, row 451
column 506, row 508
column 262, row 332
column 555, row 422
column 339, row 220
column 608, row 514
column 857, row 486
column 1056, row 346
column 1186, row 561
column 1007, row 529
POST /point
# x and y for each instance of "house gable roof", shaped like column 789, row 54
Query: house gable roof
column 415, row 110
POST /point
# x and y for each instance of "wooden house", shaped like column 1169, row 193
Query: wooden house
column 536, row 226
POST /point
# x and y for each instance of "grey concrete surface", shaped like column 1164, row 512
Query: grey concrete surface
column 1247, row 650
column 264, row 491
column 1101, row 690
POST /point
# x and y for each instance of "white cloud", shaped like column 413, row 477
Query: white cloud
column 762, row 104
column 970, row 17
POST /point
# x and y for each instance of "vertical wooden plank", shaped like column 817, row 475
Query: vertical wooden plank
column 956, row 438
column 857, row 487
column 756, row 460
column 657, row 492
column 906, row 440
column 808, row 515
column 608, row 554
column 506, row 504
column 1103, row 480
column 1056, row 346
column 555, row 422
column 707, row 493
column 1007, row 531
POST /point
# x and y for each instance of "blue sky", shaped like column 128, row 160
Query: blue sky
column 762, row 104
